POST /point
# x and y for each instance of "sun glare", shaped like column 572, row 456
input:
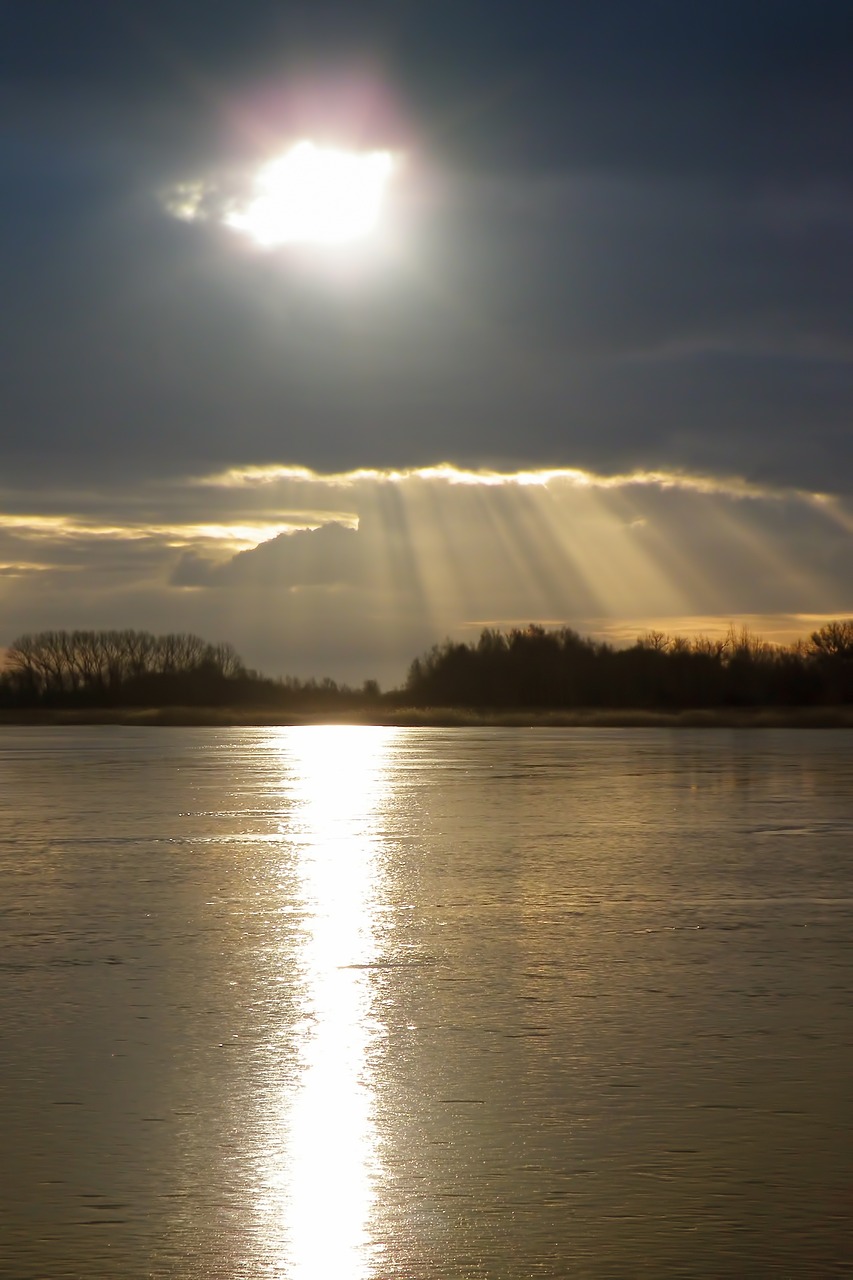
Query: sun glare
column 316, row 195
column 321, row 1154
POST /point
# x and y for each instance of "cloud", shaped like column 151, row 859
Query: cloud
column 326, row 556
column 578, row 321
column 195, row 200
column 716, row 88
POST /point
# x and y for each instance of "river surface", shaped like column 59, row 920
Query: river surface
column 419, row 1004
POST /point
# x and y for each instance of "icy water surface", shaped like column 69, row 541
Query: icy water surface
column 380, row 1004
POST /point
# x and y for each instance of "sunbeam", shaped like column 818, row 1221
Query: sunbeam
column 384, row 563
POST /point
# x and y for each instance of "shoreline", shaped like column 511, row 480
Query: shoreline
column 835, row 717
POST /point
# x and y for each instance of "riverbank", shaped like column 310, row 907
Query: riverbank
column 443, row 717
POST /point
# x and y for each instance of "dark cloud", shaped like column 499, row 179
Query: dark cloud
column 739, row 84
column 598, row 323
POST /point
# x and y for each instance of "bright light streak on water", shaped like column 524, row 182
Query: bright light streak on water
column 323, row 1149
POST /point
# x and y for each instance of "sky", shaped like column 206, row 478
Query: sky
column 592, row 367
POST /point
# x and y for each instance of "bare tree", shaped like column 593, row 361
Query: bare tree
column 834, row 640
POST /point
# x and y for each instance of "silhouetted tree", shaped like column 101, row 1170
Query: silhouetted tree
column 533, row 667
column 89, row 667
column 524, row 667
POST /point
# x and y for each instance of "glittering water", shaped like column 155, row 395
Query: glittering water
column 378, row 1004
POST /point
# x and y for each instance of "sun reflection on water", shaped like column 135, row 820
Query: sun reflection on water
column 323, row 1160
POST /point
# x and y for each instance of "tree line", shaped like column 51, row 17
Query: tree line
column 528, row 667
column 104, row 667
column 129, row 668
column 534, row 667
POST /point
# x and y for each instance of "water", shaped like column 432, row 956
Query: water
column 378, row 1004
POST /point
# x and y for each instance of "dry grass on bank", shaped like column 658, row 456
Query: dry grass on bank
column 443, row 717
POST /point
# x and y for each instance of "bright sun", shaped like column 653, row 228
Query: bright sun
column 315, row 194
